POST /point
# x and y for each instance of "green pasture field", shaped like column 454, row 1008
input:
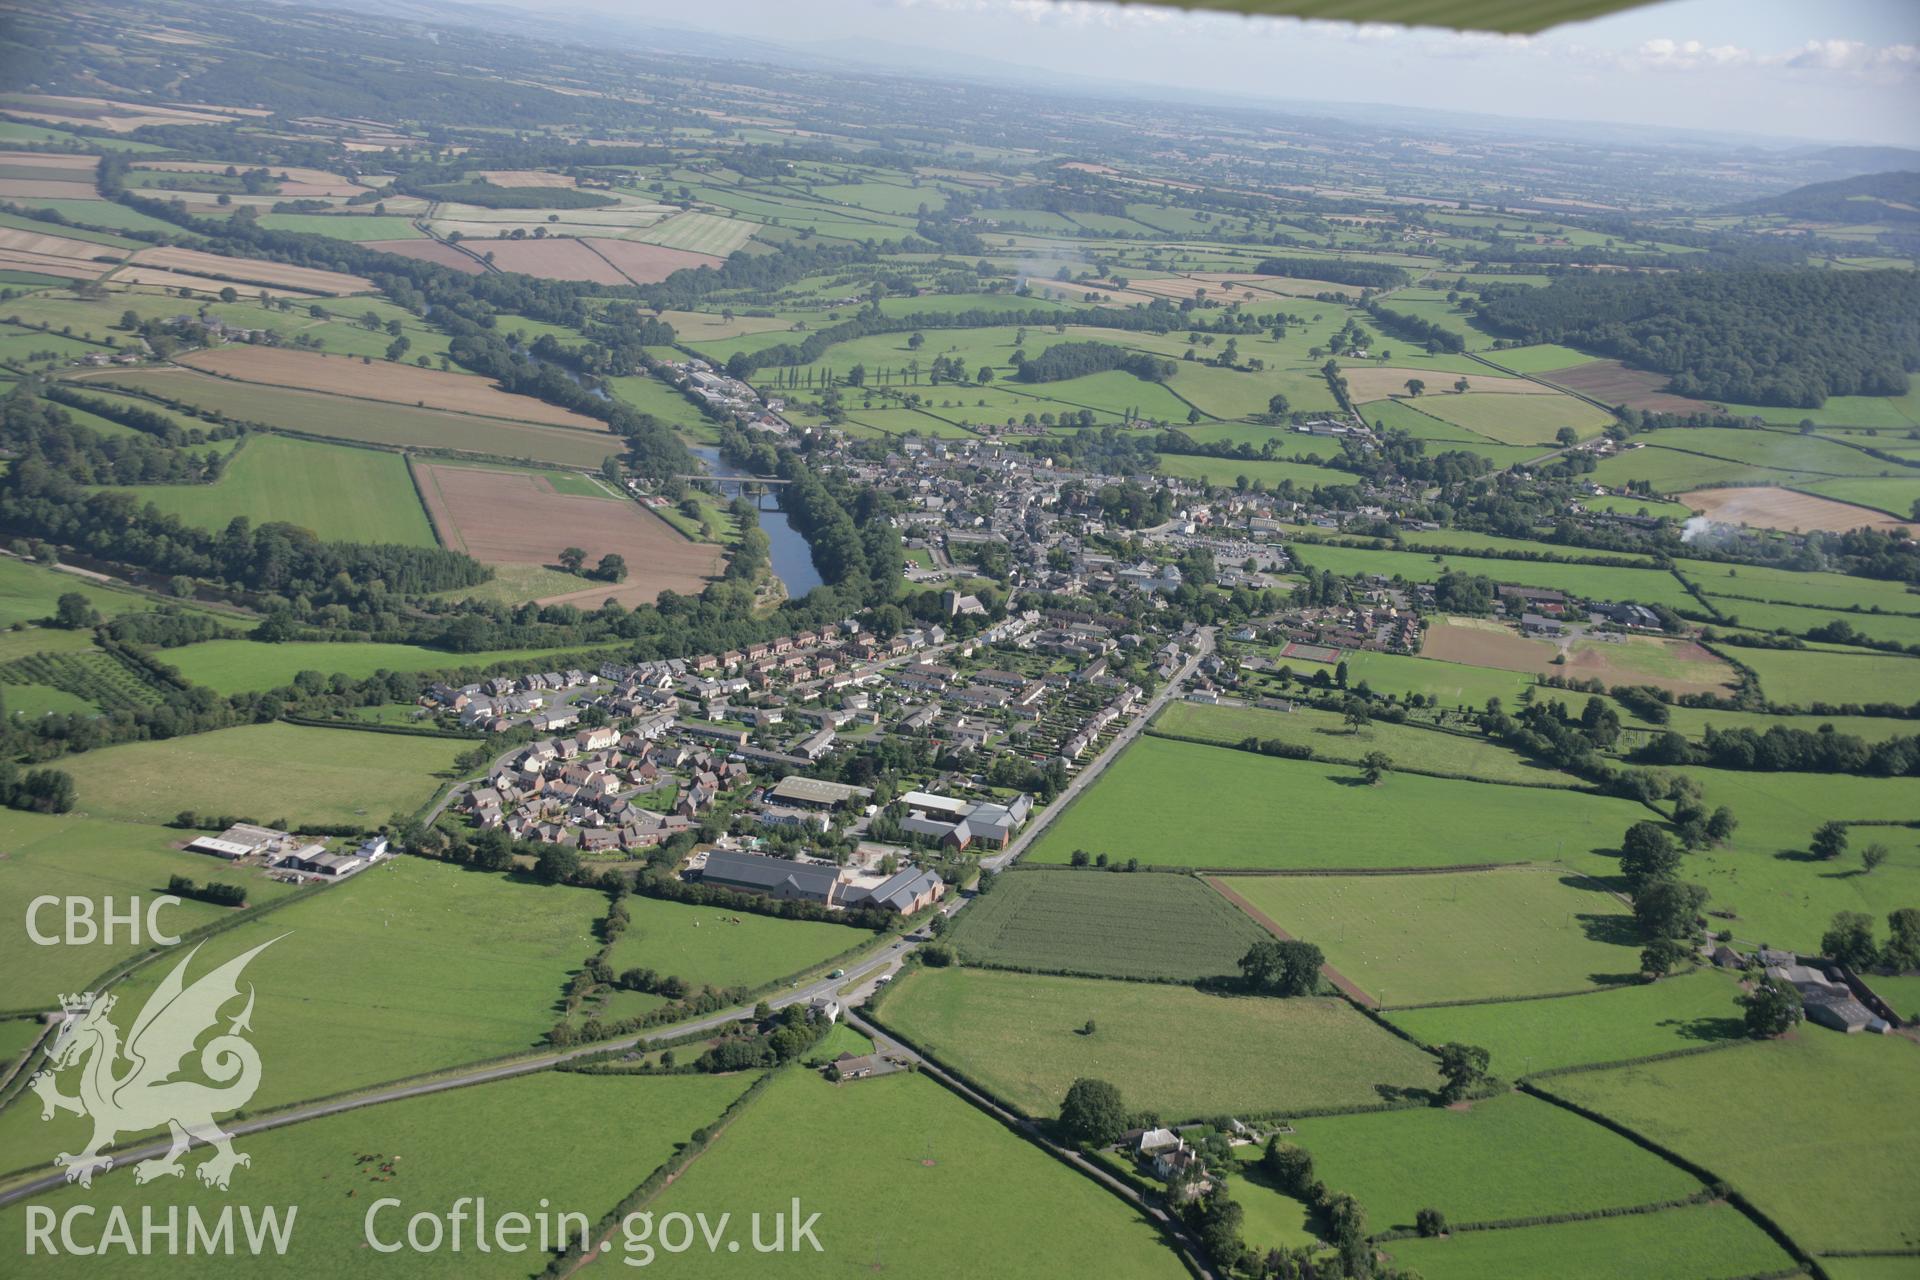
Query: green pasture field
column 31, row 350
column 518, row 583
column 1901, row 628
column 1893, row 1267
column 1902, row 992
column 21, row 222
column 266, row 772
column 391, row 424
column 1895, row 494
column 1451, row 683
column 887, row 1200
column 99, row 213
column 83, row 857
column 1141, row 925
column 33, row 701
column 1693, row 722
column 1467, row 539
column 650, row 395
column 341, row 494
column 1270, row 1218
column 1019, row 1035
column 1545, row 357
column 440, row 1148
column 1411, row 746
column 1638, row 506
column 1674, row 470
column 1225, row 472
column 1644, row 586
column 1609, row 1025
column 1265, row 812
column 716, row 948
column 1833, row 1103
column 699, row 233
column 1707, row 1242
column 28, row 641
column 1466, row 936
column 1882, row 412
column 1802, row 677
column 1836, row 591
column 238, row 665
column 1509, row 1156
column 1515, row 419
column 428, row 966
column 1775, row 449
column 16, row 1035
column 1434, row 308
column 1780, row 893
column 356, row 227
column 30, row 592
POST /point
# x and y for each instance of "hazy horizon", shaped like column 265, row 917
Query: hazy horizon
column 1845, row 72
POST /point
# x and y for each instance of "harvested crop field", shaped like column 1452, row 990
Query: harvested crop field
column 1611, row 382
column 39, row 244
column 1678, row 666
column 51, row 187
column 80, row 165
column 1769, row 508
column 514, row 517
column 701, row 232
column 648, row 263
column 251, row 271
column 430, row 251
column 382, row 380
column 65, row 268
column 1368, row 382
column 371, row 421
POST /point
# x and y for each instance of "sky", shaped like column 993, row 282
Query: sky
column 1832, row 71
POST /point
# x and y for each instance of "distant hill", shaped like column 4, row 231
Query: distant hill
column 1873, row 197
column 1849, row 162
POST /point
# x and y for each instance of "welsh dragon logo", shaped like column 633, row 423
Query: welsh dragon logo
column 131, row 1088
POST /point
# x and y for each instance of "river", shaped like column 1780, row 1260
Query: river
column 792, row 558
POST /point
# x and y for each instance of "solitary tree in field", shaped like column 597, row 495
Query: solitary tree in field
column 1465, row 1069
column 1356, row 714
column 1830, row 841
column 571, row 558
column 1430, row 1223
column 612, row 567
column 1415, row 386
column 1092, row 1112
column 1374, row 767
column 1873, row 856
column 1461, row 385
column 1773, row 1009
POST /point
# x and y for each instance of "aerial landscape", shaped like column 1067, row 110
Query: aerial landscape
column 1080, row 641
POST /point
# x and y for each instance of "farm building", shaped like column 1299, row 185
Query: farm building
column 774, row 877
column 812, row 793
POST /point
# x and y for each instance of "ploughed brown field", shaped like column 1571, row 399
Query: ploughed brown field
column 1611, row 382
column 1770, row 508
column 516, row 517
column 429, row 251
column 382, row 380
column 650, row 263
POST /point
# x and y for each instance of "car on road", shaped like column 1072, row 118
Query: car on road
column 838, row 973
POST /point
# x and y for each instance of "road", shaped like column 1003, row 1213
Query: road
column 1121, row 741
column 862, row 977
column 887, row 1046
column 864, row 972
